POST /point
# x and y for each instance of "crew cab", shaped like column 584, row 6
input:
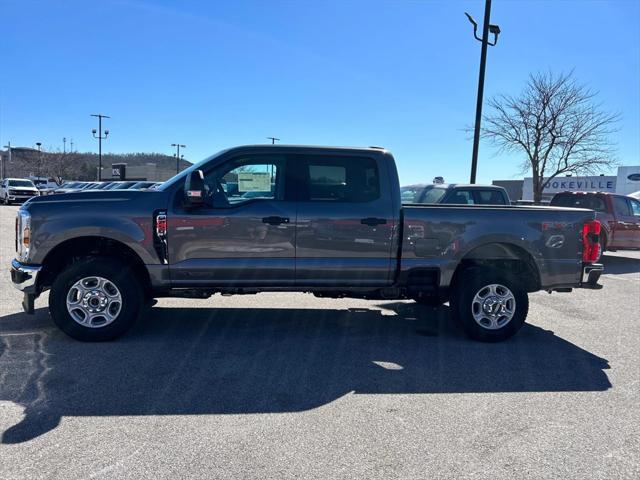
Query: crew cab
column 619, row 217
column 455, row 194
column 324, row 220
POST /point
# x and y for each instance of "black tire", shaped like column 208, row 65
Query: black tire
column 114, row 271
column 471, row 282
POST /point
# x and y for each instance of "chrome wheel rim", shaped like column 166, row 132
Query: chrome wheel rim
column 94, row 302
column 493, row 306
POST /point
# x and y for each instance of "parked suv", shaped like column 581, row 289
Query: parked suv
column 17, row 190
column 619, row 216
column 455, row 194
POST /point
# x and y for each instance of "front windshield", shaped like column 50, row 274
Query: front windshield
column 21, row 183
column 410, row 194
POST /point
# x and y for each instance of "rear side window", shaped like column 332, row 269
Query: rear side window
column 580, row 201
column 635, row 207
column 490, row 197
column 341, row 179
column 621, row 206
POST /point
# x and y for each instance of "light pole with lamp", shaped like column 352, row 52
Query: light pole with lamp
column 100, row 137
column 177, row 155
column 495, row 30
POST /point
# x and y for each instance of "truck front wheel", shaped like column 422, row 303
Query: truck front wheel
column 95, row 299
column 490, row 304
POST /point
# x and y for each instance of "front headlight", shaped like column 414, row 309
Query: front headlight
column 23, row 234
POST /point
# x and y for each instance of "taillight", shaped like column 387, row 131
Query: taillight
column 591, row 241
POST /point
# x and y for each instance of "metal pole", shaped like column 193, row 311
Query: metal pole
column 100, row 137
column 483, row 62
column 100, row 148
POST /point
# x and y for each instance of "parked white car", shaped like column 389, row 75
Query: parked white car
column 17, row 190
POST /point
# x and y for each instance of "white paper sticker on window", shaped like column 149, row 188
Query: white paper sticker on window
column 254, row 182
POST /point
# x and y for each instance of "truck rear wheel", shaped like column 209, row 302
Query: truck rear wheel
column 490, row 304
column 95, row 299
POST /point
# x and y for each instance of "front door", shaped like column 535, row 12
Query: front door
column 243, row 235
column 625, row 229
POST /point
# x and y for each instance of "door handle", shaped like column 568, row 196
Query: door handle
column 372, row 222
column 275, row 220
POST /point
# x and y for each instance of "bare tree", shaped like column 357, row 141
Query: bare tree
column 557, row 124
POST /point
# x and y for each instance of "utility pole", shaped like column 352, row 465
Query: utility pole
column 3, row 172
column 177, row 154
column 39, row 144
column 71, row 147
column 273, row 140
column 100, row 138
column 486, row 28
column 64, row 144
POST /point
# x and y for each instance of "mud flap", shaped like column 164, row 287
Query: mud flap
column 28, row 303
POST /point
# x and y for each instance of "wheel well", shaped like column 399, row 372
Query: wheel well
column 74, row 249
column 503, row 256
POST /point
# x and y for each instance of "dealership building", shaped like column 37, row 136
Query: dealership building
column 625, row 182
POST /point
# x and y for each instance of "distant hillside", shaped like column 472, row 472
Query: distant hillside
column 77, row 165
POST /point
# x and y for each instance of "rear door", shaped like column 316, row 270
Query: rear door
column 345, row 221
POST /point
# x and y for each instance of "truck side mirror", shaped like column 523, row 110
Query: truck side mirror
column 194, row 191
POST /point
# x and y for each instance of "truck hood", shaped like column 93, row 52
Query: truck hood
column 80, row 197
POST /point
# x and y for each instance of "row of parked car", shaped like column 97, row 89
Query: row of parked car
column 21, row 189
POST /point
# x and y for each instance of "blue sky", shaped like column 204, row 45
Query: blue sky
column 400, row 74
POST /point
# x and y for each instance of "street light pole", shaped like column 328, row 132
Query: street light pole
column 3, row 172
column 273, row 140
column 486, row 28
column 39, row 144
column 100, row 138
column 178, row 145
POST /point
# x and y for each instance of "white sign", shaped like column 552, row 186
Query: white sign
column 254, row 182
column 571, row 184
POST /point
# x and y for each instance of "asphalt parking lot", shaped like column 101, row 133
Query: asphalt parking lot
column 291, row 386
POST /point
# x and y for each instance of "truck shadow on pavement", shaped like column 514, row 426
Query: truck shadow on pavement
column 617, row 265
column 233, row 361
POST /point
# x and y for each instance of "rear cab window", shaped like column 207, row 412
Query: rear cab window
column 490, row 197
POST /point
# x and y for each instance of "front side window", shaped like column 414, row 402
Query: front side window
column 245, row 179
column 338, row 179
column 635, row 207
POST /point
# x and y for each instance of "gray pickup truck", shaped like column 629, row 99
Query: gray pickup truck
column 327, row 221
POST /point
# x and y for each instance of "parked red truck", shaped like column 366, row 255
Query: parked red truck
column 619, row 216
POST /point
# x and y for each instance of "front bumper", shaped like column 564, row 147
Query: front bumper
column 591, row 274
column 24, row 278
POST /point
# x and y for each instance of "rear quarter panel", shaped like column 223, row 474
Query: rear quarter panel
column 442, row 236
